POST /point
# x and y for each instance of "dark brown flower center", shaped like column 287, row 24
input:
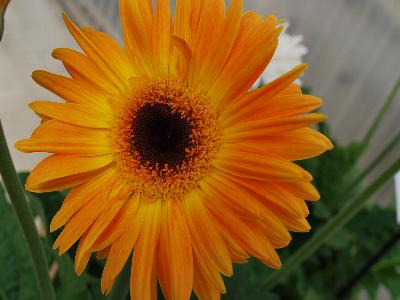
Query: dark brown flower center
column 160, row 135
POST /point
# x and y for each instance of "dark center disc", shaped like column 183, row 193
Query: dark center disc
column 160, row 135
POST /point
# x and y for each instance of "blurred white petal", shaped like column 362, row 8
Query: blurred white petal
column 288, row 55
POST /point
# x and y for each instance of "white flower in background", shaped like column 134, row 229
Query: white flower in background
column 288, row 55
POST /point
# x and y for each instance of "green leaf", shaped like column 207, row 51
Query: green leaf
column 311, row 295
column 70, row 286
column 321, row 211
column 17, row 279
column 341, row 240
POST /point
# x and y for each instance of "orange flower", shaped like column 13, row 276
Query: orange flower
column 169, row 154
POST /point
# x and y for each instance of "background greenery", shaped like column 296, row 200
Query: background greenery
column 322, row 276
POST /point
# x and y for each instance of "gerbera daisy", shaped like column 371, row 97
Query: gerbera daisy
column 167, row 153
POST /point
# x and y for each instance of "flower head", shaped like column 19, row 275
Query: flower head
column 168, row 154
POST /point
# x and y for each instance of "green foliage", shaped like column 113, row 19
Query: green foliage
column 17, row 279
column 321, row 277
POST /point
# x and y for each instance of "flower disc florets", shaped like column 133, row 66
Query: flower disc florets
column 166, row 137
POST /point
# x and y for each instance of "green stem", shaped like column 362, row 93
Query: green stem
column 341, row 219
column 121, row 289
column 25, row 219
column 375, row 125
column 372, row 165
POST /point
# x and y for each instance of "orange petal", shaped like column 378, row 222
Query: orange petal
column 253, row 49
column 273, row 227
column 296, row 225
column 301, row 189
column 287, row 106
column 276, row 107
column 183, row 57
column 296, row 144
column 183, row 13
column 280, row 86
column 58, row 166
column 238, row 255
column 62, row 145
column 226, row 193
column 59, row 137
column 79, row 196
column 255, row 166
column 72, row 113
column 203, row 288
column 119, row 61
column 161, row 36
column 113, row 206
column 264, row 128
column 96, row 53
column 143, row 261
column 270, row 194
column 71, row 90
column 137, row 26
column 54, row 128
column 81, row 264
column 224, row 36
column 175, row 244
column 205, row 44
column 118, row 225
column 205, row 236
column 272, row 260
column 122, row 247
column 79, row 223
column 250, row 238
column 82, row 68
column 103, row 254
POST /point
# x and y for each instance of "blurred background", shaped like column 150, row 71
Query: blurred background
column 353, row 56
